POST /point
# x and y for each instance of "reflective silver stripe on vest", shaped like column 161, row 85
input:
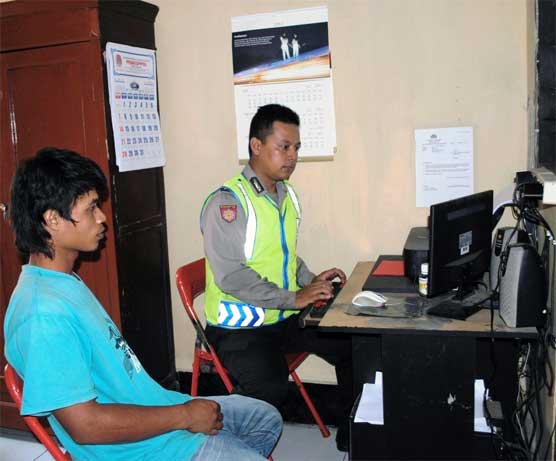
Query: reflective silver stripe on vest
column 251, row 231
column 237, row 314
column 294, row 200
column 296, row 205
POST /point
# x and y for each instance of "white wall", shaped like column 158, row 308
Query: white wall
column 397, row 65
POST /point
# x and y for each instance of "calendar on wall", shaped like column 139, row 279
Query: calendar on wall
column 284, row 58
column 134, row 107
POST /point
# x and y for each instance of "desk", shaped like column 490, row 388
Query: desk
column 429, row 365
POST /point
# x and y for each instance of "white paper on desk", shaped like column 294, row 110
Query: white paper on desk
column 480, row 423
column 371, row 408
column 443, row 164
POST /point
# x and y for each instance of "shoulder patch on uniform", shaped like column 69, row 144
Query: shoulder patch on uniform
column 228, row 212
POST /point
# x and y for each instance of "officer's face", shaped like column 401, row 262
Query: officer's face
column 275, row 157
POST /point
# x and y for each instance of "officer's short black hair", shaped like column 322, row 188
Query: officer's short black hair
column 53, row 179
column 261, row 124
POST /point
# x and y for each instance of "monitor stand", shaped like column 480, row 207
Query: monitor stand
column 458, row 306
column 464, row 291
column 453, row 309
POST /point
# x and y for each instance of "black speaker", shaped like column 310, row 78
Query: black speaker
column 523, row 290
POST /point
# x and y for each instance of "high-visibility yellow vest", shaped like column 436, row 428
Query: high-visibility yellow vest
column 270, row 250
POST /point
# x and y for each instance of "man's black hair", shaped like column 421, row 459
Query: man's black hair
column 261, row 124
column 51, row 180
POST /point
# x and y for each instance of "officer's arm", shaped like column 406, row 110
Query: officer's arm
column 304, row 275
column 223, row 224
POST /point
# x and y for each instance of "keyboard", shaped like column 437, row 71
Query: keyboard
column 453, row 310
column 316, row 311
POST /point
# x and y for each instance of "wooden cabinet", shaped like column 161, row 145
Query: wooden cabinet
column 54, row 93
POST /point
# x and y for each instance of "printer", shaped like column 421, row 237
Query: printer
column 415, row 252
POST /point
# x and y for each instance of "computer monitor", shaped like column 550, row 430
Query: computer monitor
column 459, row 244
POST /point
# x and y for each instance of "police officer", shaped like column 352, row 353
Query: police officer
column 256, row 284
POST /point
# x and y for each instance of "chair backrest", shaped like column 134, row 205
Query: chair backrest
column 15, row 389
column 190, row 280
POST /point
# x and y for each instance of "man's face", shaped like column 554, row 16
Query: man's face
column 275, row 157
column 87, row 230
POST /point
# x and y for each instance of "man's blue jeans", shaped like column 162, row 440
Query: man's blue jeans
column 251, row 429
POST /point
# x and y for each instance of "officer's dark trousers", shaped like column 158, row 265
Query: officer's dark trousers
column 256, row 363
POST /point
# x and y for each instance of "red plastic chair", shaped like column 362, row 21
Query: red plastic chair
column 191, row 283
column 15, row 387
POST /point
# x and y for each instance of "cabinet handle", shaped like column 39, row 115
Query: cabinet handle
column 4, row 210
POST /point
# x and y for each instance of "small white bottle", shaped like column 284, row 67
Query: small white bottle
column 424, row 279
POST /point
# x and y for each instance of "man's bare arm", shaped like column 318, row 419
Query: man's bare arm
column 94, row 423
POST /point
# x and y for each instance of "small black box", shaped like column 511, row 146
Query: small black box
column 415, row 251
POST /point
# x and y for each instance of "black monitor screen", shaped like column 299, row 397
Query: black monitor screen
column 460, row 240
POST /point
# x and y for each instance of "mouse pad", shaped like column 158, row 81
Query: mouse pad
column 396, row 307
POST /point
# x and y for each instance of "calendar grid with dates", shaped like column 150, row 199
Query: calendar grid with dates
column 309, row 98
column 139, row 128
column 134, row 107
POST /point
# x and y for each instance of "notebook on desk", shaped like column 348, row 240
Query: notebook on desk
column 387, row 276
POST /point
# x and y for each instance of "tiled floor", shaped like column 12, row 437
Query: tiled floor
column 303, row 442
column 299, row 442
column 20, row 446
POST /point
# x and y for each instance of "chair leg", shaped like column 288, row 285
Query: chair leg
column 222, row 372
column 195, row 375
column 46, row 440
column 323, row 429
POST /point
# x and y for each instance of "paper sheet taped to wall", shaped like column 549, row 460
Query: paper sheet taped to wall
column 443, row 164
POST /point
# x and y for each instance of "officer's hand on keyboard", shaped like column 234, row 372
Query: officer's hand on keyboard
column 332, row 274
column 318, row 290
column 336, row 287
column 319, row 308
column 321, row 303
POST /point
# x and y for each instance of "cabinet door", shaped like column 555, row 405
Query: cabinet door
column 54, row 97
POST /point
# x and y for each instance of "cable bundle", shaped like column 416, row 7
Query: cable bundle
column 535, row 371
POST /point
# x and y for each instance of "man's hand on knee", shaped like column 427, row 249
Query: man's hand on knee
column 204, row 416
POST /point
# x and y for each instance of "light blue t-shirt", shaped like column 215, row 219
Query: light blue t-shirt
column 64, row 345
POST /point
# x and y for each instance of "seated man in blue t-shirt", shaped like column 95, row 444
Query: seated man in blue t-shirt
column 77, row 368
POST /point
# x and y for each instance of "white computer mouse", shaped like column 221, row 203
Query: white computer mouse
column 369, row 298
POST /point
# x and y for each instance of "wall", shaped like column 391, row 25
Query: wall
column 397, row 65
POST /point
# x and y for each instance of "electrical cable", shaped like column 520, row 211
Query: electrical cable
column 548, row 445
column 535, row 373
